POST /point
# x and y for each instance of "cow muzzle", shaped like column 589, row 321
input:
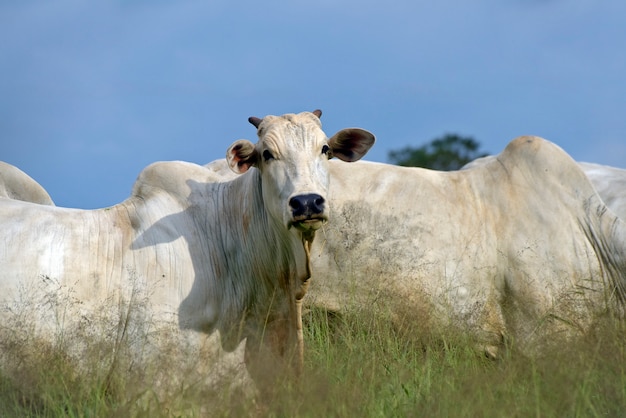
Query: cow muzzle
column 307, row 211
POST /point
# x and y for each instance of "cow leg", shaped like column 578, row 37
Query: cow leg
column 493, row 329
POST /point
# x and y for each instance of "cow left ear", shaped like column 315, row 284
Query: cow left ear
column 241, row 155
column 351, row 144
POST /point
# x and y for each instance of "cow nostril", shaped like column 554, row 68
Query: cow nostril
column 295, row 203
column 307, row 205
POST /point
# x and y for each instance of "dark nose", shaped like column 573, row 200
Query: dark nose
column 306, row 205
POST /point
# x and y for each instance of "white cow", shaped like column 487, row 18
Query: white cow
column 197, row 256
column 521, row 247
column 610, row 182
column 15, row 184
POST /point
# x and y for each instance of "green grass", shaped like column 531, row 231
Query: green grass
column 357, row 364
column 372, row 369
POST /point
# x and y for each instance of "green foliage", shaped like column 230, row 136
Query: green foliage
column 450, row 152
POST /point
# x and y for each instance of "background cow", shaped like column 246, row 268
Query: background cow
column 184, row 256
column 521, row 247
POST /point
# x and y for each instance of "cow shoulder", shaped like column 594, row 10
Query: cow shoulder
column 173, row 178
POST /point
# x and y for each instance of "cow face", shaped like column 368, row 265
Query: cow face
column 292, row 155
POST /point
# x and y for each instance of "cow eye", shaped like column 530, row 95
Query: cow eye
column 267, row 155
column 325, row 149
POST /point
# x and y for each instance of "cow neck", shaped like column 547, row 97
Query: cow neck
column 269, row 256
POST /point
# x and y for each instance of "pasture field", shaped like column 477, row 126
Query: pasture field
column 360, row 364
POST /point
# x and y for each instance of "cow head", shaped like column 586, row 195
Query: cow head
column 292, row 155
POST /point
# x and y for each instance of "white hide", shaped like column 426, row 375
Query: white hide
column 15, row 184
column 519, row 248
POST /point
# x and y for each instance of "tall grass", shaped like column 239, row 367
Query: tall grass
column 360, row 363
column 373, row 369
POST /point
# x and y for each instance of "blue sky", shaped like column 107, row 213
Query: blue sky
column 91, row 92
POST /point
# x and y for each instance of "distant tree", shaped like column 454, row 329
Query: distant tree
column 449, row 152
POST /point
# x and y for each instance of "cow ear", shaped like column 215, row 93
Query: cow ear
column 351, row 144
column 241, row 155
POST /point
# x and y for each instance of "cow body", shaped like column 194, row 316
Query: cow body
column 520, row 247
column 197, row 256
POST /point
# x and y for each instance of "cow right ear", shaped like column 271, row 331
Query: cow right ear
column 241, row 155
column 351, row 144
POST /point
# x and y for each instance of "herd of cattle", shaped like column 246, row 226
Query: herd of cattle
column 527, row 246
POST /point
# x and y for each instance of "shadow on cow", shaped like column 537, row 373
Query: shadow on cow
column 248, row 239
